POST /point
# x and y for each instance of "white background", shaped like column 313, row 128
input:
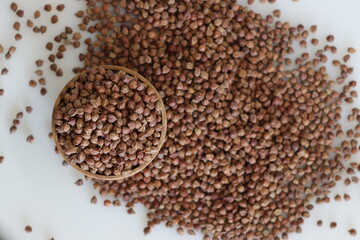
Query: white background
column 36, row 190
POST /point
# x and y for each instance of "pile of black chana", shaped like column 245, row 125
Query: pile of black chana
column 253, row 131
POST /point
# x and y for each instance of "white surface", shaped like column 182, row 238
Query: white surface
column 36, row 190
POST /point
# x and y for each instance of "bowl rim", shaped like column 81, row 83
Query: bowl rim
column 127, row 173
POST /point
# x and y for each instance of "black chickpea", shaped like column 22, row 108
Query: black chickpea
column 108, row 122
column 215, row 142
column 249, row 144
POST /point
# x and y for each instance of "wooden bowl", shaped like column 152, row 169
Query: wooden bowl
column 126, row 173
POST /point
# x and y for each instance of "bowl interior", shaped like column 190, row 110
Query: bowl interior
column 126, row 173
